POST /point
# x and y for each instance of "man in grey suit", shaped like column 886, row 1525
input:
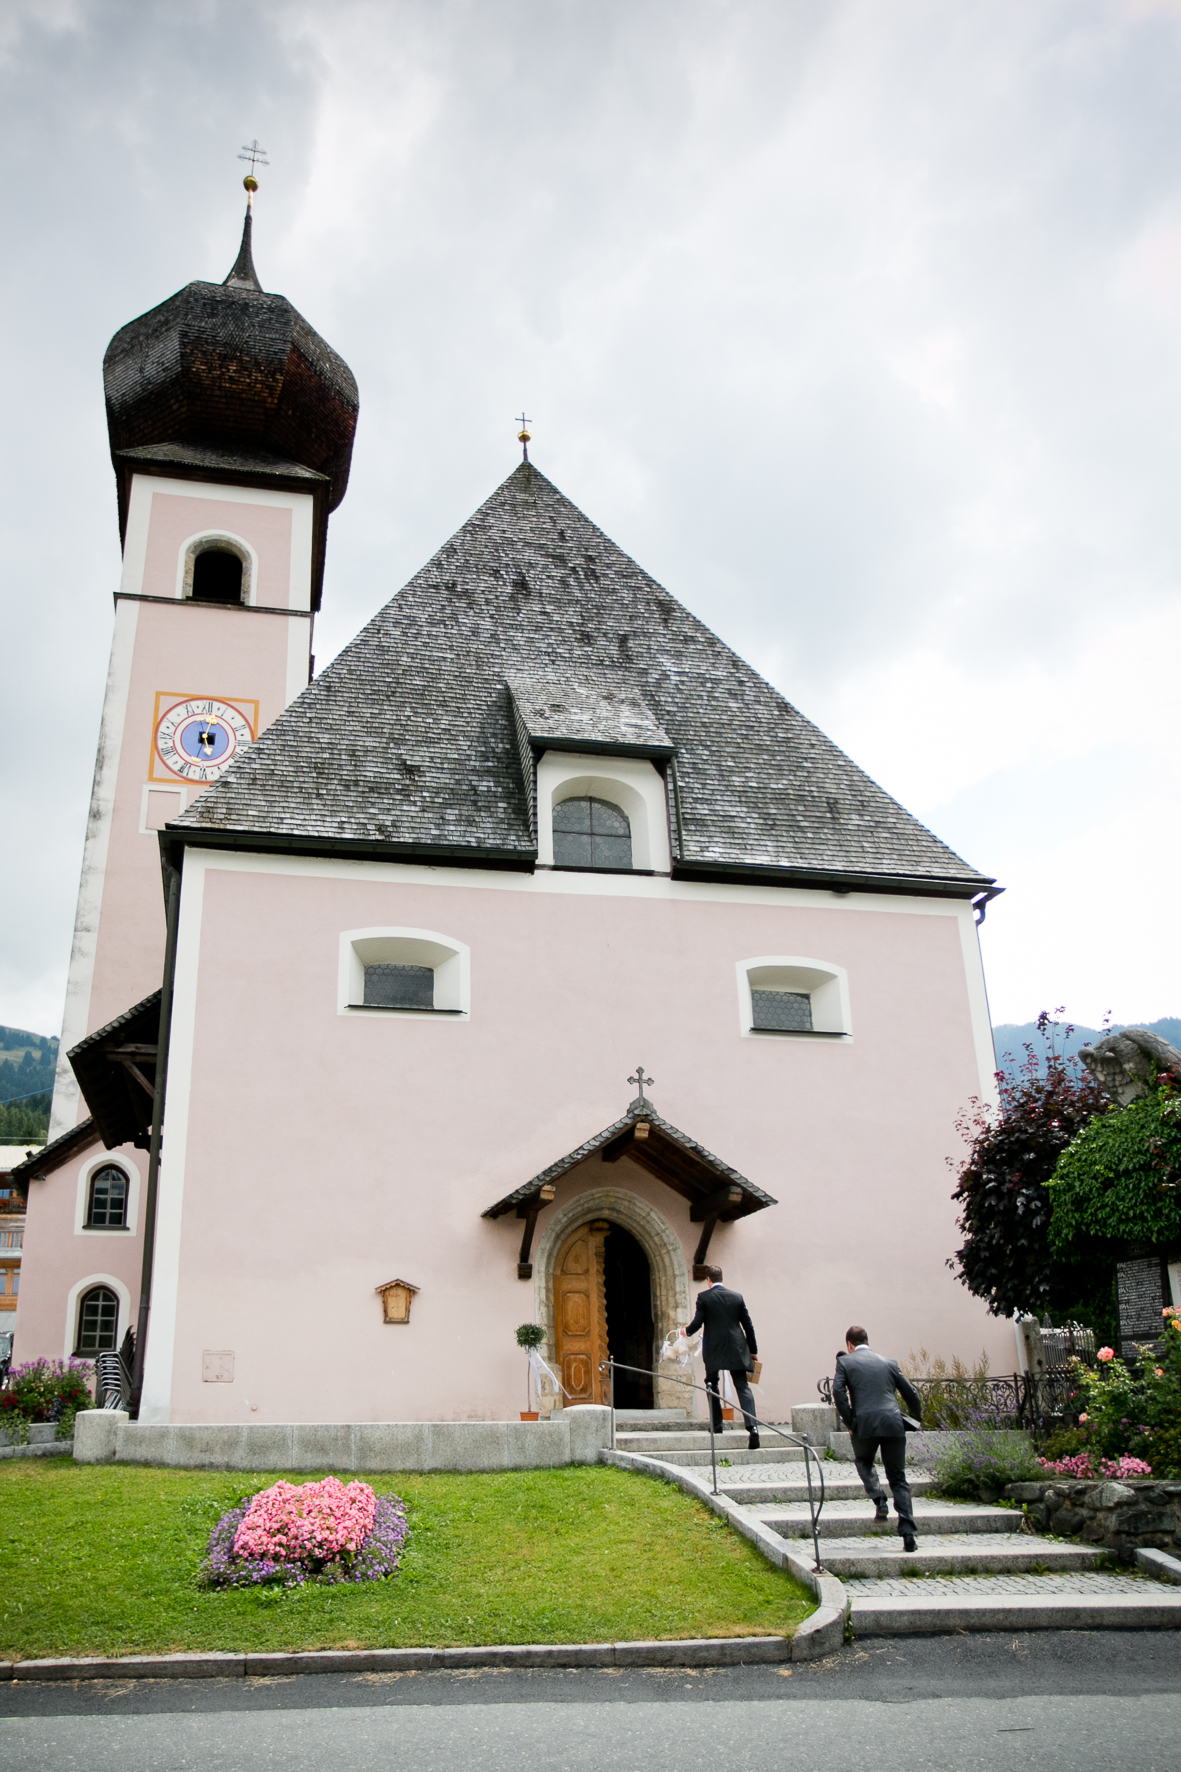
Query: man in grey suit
column 864, row 1393
column 728, row 1346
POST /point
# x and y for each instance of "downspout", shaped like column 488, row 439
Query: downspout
column 172, row 883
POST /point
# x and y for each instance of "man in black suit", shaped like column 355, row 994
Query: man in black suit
column 729, row 1346
column 864, row 1393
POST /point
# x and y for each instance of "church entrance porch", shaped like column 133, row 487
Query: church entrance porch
column 603, row 1306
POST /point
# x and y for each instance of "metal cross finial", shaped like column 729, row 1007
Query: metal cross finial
column 256, row 157
column 640, row 1079
column 523, row 434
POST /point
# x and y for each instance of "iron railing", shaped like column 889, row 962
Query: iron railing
column 1026, row 1399
column 815, row 1508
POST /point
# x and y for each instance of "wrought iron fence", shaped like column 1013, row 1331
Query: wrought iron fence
column 1034, row 1401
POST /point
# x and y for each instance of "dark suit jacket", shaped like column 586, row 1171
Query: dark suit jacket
column 863, row 1392
column 729, row 1344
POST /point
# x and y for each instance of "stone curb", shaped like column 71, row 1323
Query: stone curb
column 218, row 1665
column 820, row 1633
column 47, row 1449
column 1158, row 1562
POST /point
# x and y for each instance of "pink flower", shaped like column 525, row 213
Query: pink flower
column 292, row 1522
column 1159, row 1370
column 1105, row 1354
column 1084, row 1417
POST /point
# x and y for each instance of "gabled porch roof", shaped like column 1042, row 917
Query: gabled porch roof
column 716, row 1193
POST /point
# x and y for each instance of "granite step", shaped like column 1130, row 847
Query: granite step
column 729, row 1441
column 1078, row 1600
column 953, row 1553
column 855, row 1519
column 734, row 1458
column 788, row 1484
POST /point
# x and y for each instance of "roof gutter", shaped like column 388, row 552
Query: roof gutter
column 824, row 879
column 175, row 839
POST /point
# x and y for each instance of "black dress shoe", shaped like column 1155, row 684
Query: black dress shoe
column 753, row 1443
column 909, row 1542
column 883, row 1510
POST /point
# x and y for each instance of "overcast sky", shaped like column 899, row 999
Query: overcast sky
column 854, row 321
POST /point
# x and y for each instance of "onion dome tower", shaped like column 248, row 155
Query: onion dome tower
column 227, row 381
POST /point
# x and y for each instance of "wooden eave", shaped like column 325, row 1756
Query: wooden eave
column 116, row 1071
column 712, row 1188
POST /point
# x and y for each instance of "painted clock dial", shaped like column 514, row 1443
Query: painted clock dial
column 199, row 738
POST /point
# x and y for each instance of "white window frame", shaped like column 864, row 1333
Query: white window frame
column 108, row 1160
column 226, row 539
column 73, row 1302
column 826, row 983
column 449, row 959
column 632, row 783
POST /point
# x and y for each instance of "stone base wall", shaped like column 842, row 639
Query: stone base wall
column 107, row 1436
column 1119, row 1516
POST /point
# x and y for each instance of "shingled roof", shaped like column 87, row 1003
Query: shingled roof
column 409, row 743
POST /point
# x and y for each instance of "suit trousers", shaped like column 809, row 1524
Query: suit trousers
column 894, row 1458
column 742, row 1391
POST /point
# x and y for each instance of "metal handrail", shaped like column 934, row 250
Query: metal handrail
column 815, row 1510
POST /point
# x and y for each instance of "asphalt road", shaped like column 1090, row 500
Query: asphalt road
column 1053, row 1701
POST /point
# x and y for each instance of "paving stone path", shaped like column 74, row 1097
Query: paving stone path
column 1082, row 1581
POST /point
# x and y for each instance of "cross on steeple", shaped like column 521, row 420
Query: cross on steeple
column 256, row 157
column 640, row 1079
column 523, row 434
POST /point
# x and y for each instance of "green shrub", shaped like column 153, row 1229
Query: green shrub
column 978, row 1466
column 1131, row 1409
column 44, row 1390
column 1120, row 1178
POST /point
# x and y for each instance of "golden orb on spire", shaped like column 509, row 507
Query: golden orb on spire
column 250, row 185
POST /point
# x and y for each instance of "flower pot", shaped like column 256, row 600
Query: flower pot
column 727, row 1414
column 529, row 1415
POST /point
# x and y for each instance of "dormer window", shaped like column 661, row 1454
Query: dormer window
column 590, row 833
column 217, row 576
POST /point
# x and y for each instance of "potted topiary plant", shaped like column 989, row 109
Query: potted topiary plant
column 529, row 1336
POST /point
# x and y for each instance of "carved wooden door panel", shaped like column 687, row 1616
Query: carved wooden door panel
column 580, row 1314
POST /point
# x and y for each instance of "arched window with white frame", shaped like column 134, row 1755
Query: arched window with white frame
column 789, row 996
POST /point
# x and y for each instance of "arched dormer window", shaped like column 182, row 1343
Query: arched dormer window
column 217, row 575
column 590, row 833
column 98, row 1321
column 106, row 1204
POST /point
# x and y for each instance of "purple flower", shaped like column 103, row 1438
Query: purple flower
column 377, row 1557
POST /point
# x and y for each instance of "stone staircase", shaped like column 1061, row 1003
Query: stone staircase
column 976, row 1568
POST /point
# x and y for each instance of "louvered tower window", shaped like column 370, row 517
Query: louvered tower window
column 591, row 834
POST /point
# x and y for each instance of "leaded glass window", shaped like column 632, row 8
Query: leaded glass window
column 591, row 834
column 98, row 1320
column 399, row 987
column 108, row 1200
column 782, row 1011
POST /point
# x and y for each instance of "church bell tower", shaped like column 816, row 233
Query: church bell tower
column 231, row 426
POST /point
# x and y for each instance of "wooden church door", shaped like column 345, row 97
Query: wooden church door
column 580, row 1314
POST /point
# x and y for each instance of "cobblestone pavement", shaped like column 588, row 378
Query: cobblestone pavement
column 929, row 1587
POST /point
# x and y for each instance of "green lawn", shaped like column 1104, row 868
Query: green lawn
column 102, row 1560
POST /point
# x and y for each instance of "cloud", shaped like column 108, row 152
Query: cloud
column 855, row 324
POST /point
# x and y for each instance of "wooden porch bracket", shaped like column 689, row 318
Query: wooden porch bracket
column 528, row 1210
column 707, row 1213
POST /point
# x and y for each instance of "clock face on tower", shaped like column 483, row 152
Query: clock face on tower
column 198, row 736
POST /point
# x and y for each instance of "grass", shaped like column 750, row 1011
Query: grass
column 102, row 1560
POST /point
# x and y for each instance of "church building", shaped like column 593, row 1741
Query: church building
column 533, row 955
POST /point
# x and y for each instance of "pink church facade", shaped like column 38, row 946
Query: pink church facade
column 402, row 1007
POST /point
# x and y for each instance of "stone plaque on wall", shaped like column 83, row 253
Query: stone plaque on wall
column 1141, row 1301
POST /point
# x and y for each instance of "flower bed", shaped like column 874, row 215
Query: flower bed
column 44, row 1391
column 1082, row 1466
column 293, row 1533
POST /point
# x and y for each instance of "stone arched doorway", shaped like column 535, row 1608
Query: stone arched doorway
column 645, row 1273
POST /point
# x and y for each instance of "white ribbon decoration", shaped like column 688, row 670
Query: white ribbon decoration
column 540, row 1370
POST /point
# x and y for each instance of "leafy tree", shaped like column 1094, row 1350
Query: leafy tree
column 1120, row 1178
column 1006, row 1257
